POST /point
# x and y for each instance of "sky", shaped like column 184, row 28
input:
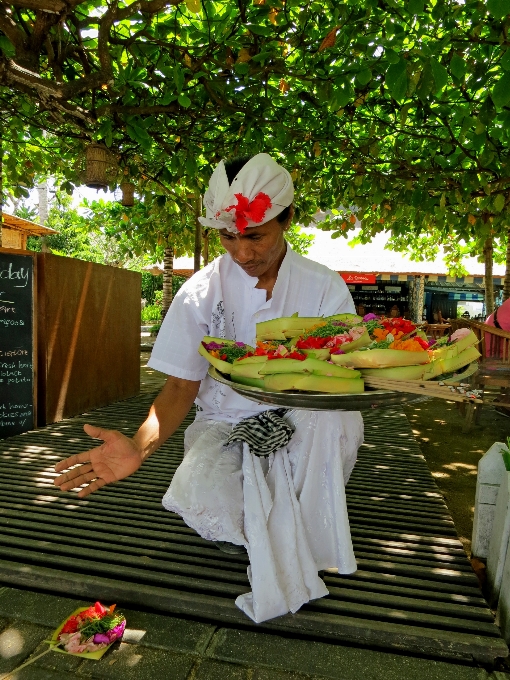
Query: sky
column 372, row 257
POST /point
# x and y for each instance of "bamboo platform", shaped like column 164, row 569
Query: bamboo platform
column 414, row 590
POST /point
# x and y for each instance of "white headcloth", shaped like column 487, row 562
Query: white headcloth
column 260, row 191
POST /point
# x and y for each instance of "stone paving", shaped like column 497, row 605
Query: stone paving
column 158, row 647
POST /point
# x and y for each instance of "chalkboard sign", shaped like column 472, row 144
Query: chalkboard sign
column 16, row 344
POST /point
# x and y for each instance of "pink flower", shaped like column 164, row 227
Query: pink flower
column 339, row 339
column 74, row 645
column 356, row 332
column 460, row 333
column 101, row 638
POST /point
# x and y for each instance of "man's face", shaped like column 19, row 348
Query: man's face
column 258, row 249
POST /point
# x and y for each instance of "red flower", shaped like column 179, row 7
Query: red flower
column 70, row 626
column 421, row 342
column 312, row 343
column 254, row 211
column 296, row 355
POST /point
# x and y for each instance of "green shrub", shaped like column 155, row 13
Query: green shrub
column 150, row 284
column 151, row 313
column 152, row 287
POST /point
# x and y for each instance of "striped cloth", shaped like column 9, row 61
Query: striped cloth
column 265, row 433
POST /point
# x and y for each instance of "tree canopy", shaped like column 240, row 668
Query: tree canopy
column 397, row 110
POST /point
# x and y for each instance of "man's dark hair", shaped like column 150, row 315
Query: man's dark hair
column 232, row 167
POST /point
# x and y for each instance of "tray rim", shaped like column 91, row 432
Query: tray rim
column 334, row 402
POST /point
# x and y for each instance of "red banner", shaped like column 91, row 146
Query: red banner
column 355, row 277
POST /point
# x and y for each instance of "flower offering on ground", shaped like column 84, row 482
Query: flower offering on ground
column 92, row 629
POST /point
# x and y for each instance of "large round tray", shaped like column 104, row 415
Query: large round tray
column 318, row 401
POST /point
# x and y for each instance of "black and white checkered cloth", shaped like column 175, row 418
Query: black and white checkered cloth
column 265, row 433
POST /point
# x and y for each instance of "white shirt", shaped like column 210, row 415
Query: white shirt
column 221, row 301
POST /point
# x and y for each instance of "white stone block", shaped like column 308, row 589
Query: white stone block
column 503, row 615
column 500, row 537
column 491, row 472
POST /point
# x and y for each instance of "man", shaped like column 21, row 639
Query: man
column 288, row 510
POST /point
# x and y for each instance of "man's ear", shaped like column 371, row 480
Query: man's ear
column 289, row 219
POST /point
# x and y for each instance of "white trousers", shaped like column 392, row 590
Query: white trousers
column 289, row 509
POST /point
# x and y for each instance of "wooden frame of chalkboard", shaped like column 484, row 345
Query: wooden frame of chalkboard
column 18, row 350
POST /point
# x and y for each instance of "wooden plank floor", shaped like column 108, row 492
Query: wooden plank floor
column 414, row 590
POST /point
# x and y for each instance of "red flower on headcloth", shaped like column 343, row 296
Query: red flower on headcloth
column 246, row 210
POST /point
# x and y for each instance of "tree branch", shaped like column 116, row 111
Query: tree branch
column 12, row 32
column 49, row 6
column 10, row 73
column 138, row 110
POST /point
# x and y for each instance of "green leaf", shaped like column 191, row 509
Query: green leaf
column 184, row 100
column 105, row 131
column 7, row 47
column 341, row 97
column 505, row 61
column 396, row 80
column 260, row 30
column 415, row 6
column 440, row 74
column 178, row 77
column 499, row 202
column 458, row 66
column 391, row 55
column 501, row 91
column 139, row 134
column 242, row 68
column 426, row 82
column 364, row 76
column 498, row 8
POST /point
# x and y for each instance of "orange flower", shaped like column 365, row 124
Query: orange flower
column 408, row 345
column 380, row 334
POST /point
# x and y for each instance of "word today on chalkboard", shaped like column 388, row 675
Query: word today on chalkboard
column 16, row 344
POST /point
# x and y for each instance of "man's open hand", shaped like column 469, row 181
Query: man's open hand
column 117, row 458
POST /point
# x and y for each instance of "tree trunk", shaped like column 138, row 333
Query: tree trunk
column 416, row 294
column 168, row 273
column 489, row 285
column 42, row 190
column 198, row 234
column 205, row 250
column 506, row 285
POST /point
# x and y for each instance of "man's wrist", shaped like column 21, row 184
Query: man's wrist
column 143, row 448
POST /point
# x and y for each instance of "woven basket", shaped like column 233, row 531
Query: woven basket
column 128, row 194
column 97, row 161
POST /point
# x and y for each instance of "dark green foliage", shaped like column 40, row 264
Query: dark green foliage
column 400, row 110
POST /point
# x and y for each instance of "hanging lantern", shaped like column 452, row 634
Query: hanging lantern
column 97, row 160
column 128, row 194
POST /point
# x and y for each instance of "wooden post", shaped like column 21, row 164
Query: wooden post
column 198, row 233
column 489, row 285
